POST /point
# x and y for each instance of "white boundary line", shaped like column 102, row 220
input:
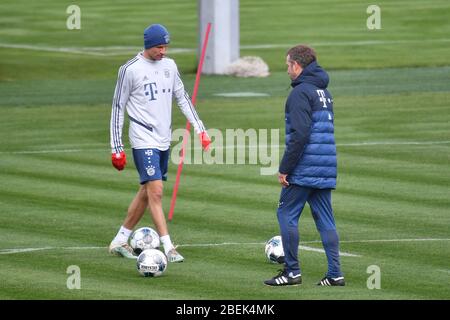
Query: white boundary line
column 345, row 43
column 241, row 94
column 391, row 143
column 446, row 271
column 306, row 248
column 120, row 50
column 44, row 151
column 91, row 51
column 393, row 240
column 10, row 251
column 341, row 253
column 356, row 144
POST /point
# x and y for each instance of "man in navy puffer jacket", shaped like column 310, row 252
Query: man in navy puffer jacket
column 308, row 168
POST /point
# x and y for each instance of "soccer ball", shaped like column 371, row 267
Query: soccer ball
column 144, row 238
column 151, row 263
column 274, row 250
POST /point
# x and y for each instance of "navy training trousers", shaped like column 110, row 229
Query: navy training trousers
column 290, row 207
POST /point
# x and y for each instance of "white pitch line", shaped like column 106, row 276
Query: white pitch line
column 92, row 51
column 393, row 240
column 356, row 144
column 43, row 151
column 345, row 43
column 241, row 94
column 9, row 251
column 120, row 50
column 306, row 248
column 341, row 253
column 20, row 250
column 80, row 248
column 50, row 49
column 391, row 143
column 220, row 244
column 384, row 240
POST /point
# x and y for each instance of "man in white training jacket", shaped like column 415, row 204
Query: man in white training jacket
column 145, row 87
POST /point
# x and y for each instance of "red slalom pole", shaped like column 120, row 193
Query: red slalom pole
column 188, row 125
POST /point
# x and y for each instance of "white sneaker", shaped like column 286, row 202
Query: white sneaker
column 121, row 250
column 174, row 256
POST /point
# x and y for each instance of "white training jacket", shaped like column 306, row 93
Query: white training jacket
column 145, row 89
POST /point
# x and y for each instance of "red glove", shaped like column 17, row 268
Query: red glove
column 205, row 140
column 119, row 160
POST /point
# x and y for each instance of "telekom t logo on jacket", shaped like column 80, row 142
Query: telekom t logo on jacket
column 150, row 90
column 322, row 97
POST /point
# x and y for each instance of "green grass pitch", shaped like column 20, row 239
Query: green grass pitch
column 61, row 201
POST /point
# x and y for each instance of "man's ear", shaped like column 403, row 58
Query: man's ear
column 298, row 67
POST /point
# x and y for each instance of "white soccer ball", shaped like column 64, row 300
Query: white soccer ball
column 151, row 263
column 144, row 238
column 274, row 250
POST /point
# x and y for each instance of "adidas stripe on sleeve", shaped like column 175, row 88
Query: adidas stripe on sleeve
column 121, row 95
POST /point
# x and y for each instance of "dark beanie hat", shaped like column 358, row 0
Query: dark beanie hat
column 155, row 35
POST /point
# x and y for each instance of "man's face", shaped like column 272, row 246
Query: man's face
column 293, row 68
column 156, row 53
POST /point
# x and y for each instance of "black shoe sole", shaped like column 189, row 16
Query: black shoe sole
column 283, row 285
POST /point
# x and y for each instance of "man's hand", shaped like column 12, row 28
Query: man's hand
column 282, row 179
column 205, row 140
column 119, row 160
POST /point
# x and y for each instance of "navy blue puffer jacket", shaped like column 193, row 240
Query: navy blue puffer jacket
column 309, row 159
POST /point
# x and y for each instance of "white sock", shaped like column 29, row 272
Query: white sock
column 167, row 243
column 123, row 235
